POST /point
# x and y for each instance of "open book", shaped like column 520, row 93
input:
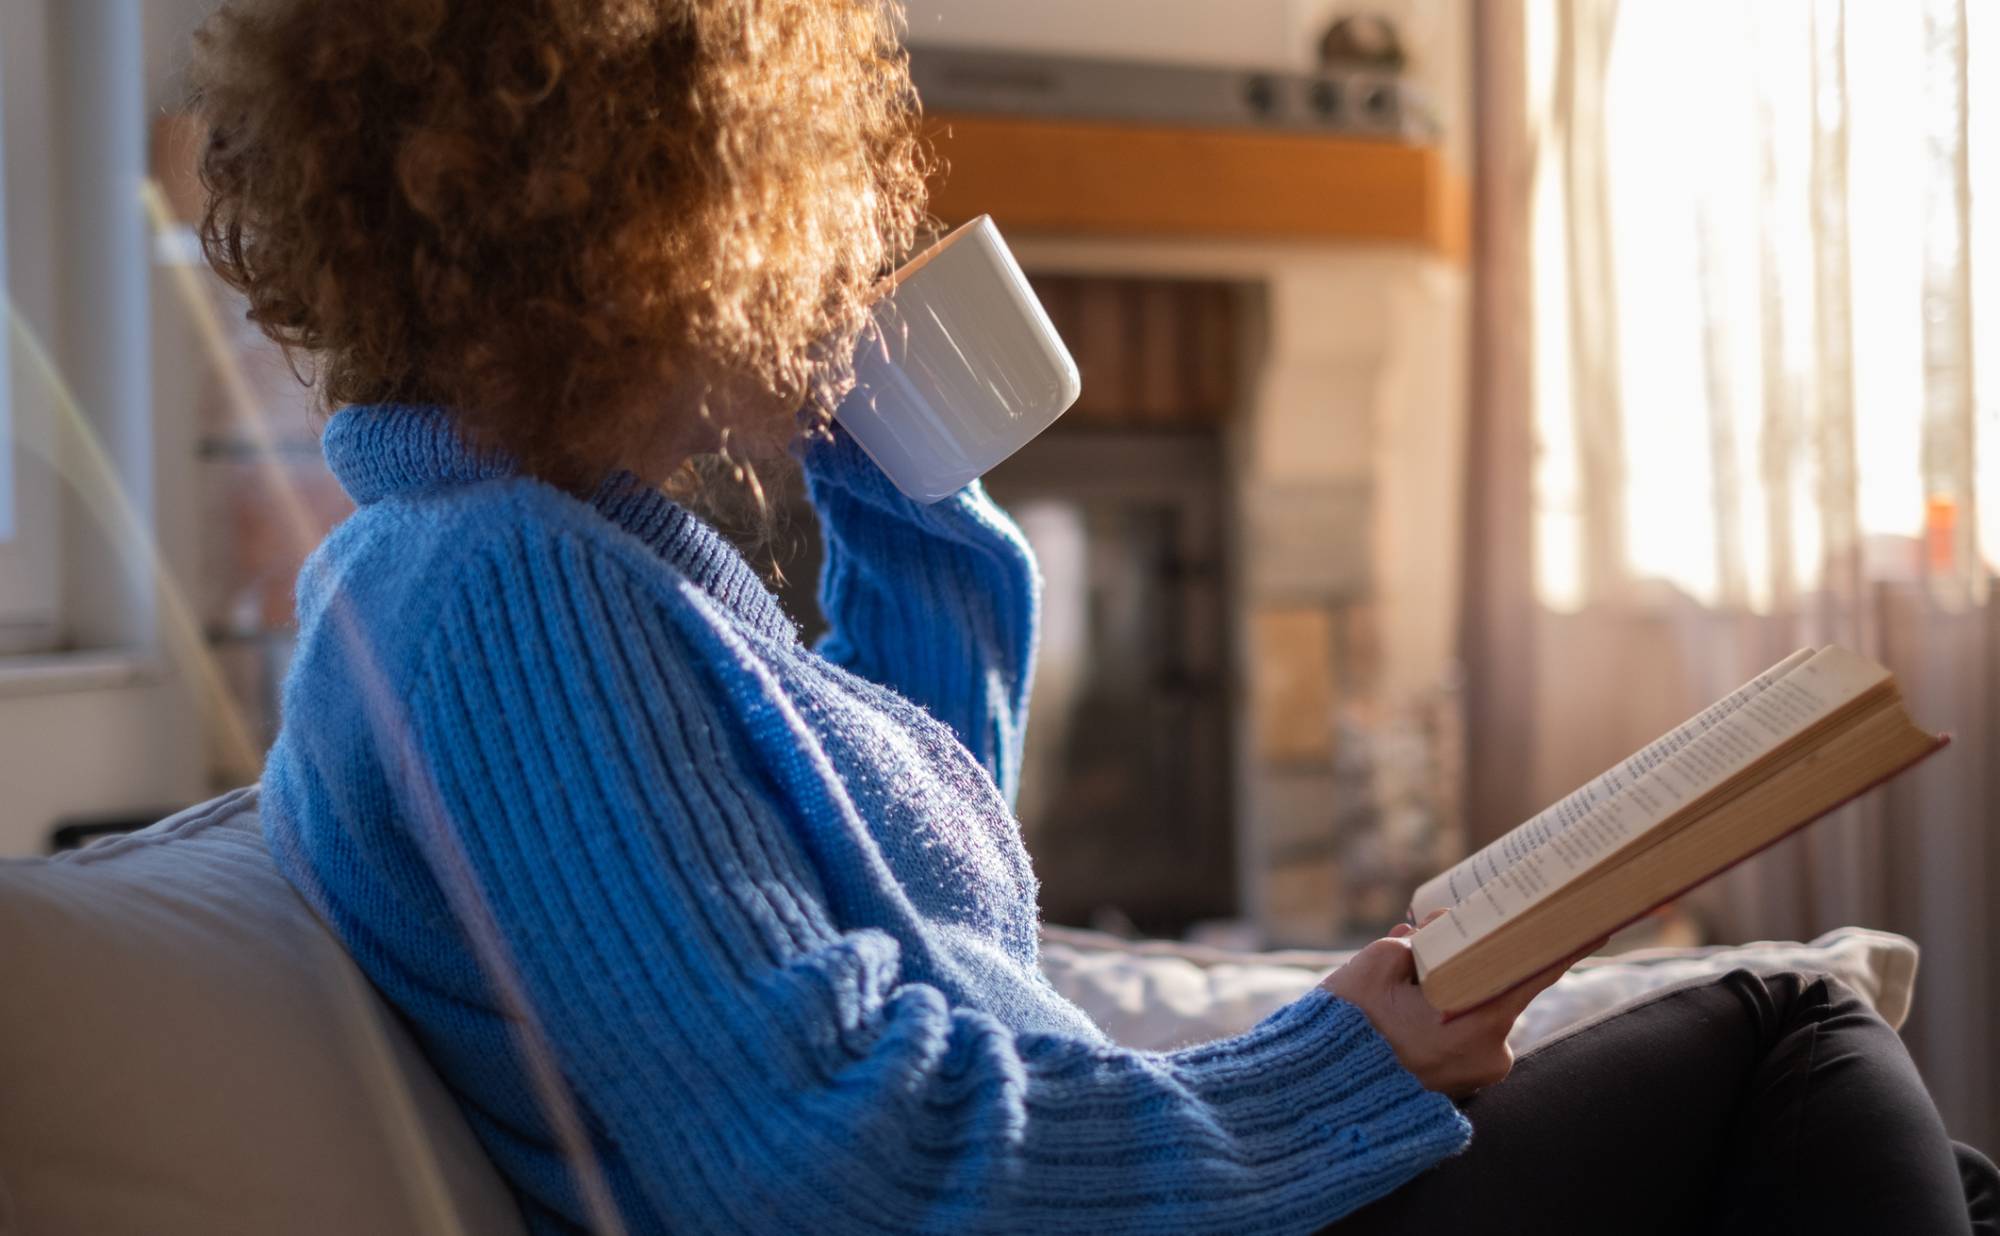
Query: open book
column 1793, row 743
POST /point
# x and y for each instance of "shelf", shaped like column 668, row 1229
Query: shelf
column 1093, row 178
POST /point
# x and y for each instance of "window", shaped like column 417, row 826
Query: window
column 1758, row 296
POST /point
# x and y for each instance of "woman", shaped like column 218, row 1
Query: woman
column 712, row 931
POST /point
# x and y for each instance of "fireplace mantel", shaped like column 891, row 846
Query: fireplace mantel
column 1092, row 178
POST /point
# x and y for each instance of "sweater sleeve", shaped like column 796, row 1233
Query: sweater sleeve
column 756, row 1065
column 939, row 603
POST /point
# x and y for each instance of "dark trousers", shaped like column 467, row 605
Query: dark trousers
column 1741, row 1104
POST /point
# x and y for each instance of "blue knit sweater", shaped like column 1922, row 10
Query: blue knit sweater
column 715, row 932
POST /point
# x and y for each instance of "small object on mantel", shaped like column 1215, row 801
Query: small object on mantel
column 1363, row 41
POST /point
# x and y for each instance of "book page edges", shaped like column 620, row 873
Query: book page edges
column 1454, row 1007
column 1879, row 692
column 1435, row 893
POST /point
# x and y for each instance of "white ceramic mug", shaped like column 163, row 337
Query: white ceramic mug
column 960, row 368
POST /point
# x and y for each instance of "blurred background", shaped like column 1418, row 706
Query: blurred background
column 1472, row 391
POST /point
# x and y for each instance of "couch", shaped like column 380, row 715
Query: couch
column 186, row 1049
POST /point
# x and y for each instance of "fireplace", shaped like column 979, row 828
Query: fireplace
column 1333, row 391
column 1245, row 719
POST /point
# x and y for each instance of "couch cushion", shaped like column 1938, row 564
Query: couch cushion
column 1159, row 994
column 185, row 1049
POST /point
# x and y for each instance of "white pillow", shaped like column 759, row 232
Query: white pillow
column 1157, row 994
column 1880, row 966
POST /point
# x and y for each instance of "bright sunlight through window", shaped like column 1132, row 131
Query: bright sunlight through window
column 1718, row 205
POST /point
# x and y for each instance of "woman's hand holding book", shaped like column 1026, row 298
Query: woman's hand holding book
column 1455, row 1057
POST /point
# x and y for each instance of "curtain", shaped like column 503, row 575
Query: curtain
column 1731, row 368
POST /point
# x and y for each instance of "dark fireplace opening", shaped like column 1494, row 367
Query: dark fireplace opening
column 1126, row 787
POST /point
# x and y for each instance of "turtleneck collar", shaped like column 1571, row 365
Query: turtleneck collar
column 385, row 450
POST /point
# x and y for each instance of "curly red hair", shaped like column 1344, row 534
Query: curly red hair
column 575, row 223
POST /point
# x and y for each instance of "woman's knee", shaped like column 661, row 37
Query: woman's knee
column 1982, row 1188
column 1784, row 999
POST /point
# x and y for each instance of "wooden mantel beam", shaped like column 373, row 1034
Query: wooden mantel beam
column 1093, row 178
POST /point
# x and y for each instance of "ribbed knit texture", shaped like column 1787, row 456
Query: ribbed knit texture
column 768, row 904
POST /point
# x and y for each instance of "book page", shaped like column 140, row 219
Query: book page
column 1462, row 880
column 1825, row 683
